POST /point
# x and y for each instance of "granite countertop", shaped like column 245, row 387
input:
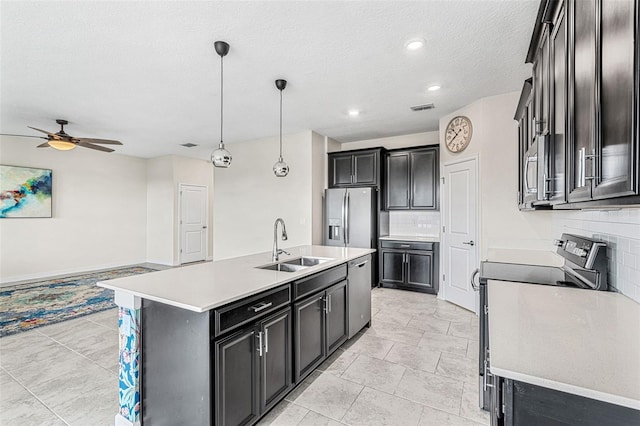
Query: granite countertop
column 525, row 257
column 430, row 239
column 204, row 286
column 576, row 341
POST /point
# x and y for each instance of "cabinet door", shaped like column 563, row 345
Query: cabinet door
column 615, row 166
column 558, row 112
column 397, row 182
column 236, row 379
column 583, row 98
column 365, row 169
column 541, row 85
column 276, row 368
column 337, row 326
column 309, row 326
column 392, row 266
column 340, row 170
column 420, row 270
column 424, row 180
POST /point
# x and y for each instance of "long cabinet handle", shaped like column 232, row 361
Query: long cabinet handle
column 266, row 340
column 261, row 306
column 260, row 343
column 360, row 265
column 329, row 303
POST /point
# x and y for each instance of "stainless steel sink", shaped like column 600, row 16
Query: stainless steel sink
column 306, row 261
column 282, row 267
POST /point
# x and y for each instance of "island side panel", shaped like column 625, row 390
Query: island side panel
column 176, row 372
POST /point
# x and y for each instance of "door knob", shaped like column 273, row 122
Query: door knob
column 471, row 243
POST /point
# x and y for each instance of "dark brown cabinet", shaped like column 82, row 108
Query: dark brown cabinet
column 411, row 180
column 320, row 327
column 354, row 168
column 253, row 370
column 586, row 77
column 409, row 265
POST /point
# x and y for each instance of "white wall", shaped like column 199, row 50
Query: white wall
column 164, row 175
column 318, row 184
column 393, row 142
column 249, row 197
column 495, row 142
column 99, row 213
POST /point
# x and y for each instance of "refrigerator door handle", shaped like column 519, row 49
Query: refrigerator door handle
column 344, row 219
column 347, row 230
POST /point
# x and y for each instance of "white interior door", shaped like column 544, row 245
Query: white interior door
column 193, row 223
column 460, row 248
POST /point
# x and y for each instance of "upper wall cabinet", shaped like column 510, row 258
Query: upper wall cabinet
column 411, row 179
column 585, row 58
column 354, row 168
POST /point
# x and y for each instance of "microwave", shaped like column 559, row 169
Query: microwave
column 536, row 173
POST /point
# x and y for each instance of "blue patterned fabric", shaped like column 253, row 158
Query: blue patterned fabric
column 27, row 306
column 129, row 388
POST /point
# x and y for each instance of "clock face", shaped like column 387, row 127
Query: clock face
column 458, row 134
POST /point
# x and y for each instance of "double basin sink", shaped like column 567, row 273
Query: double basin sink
column 293, row 265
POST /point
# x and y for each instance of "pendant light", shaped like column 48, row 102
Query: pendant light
column 281, row 169
column 221, row 157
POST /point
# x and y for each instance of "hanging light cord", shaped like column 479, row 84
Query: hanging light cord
column 280, row 125
column 221, row 97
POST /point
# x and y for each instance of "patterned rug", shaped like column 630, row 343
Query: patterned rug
column 27, row 306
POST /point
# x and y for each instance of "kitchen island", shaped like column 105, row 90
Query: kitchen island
column 222, row 342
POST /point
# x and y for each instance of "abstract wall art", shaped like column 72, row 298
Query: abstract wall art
column 25, row 192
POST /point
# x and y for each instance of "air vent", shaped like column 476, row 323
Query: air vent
column 188, row 145
column 422, row 107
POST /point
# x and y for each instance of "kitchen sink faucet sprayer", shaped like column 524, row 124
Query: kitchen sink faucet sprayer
column 276, row 250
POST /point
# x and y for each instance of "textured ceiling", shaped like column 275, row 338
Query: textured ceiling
column 146, row 72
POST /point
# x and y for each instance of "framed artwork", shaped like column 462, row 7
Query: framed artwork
column 25, row 192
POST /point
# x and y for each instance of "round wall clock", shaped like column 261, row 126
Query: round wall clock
column 458, row 133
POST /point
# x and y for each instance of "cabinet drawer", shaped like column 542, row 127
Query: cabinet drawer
column 319, row 281
column 236, row 314
column 406, row 245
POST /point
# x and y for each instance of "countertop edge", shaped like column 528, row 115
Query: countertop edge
column 201, row 309
column 416, row 239
column 564, row 387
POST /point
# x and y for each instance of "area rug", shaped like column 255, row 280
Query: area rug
column 27, row 306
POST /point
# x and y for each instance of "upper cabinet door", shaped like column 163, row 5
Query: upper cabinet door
column 615, row 151
column 365, row 169
column 583, row 99
column 340, row 170
column 541, row 80
column 397, row 182
column 424, row 180
column 558, row 112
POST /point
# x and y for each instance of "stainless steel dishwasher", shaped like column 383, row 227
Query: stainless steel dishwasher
column 359, row 294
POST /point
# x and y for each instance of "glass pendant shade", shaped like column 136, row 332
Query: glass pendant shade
column 221, row 157
column 281, row 169
column 62, row 145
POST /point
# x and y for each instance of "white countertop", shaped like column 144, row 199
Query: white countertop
column 576, row 341
column 525, row 257
column 204, row 286
column 431, row 239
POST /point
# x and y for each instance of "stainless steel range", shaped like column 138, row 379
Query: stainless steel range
column 585, row 267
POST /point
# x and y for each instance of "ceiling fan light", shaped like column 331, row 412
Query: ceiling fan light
column 62, row 145
column 221, row 157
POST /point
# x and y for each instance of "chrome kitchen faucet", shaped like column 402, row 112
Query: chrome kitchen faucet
column 276, row 251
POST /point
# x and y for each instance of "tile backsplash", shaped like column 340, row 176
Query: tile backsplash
column 410, row 223
column 620, row 229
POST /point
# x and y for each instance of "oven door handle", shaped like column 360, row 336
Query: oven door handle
column 473, row 281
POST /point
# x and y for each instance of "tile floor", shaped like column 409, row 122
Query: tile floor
column 417, row 365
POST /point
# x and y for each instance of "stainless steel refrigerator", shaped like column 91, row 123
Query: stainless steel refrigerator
column 350, row 220
column 350, row 217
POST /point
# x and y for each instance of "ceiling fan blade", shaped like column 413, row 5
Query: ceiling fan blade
column 100, row 141
column 43, row 145
column 23, row 136
column 53, row 135
column 92, row 146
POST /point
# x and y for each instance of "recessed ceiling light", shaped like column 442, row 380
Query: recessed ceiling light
column 433, row 88
column 354, row 113
column 415, row 44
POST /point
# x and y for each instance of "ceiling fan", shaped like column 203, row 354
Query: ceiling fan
column 64, row 142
